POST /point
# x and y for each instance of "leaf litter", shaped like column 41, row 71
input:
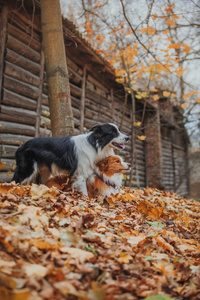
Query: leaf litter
column 138, row 244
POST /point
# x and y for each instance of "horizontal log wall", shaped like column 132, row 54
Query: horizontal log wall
column 167, row 164
column 181, row 171
column 20, row 90
column 139, row 168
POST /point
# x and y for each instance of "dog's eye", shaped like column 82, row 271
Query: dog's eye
column 117, row 161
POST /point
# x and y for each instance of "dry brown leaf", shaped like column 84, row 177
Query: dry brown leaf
column 38, row 191
column 82, row 255
column 35, row 270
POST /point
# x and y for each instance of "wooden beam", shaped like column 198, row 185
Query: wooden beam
column 25, row 38
column 112, row 103
column 39, row 100
column 23, row 49
column 11, row 70
column 21, row 88
column 22, row 62
column 3, row 33
column 82, row 113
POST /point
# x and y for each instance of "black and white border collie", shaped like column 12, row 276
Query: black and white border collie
column 74, row 155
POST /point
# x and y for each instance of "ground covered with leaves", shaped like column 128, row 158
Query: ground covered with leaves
column 62, row 245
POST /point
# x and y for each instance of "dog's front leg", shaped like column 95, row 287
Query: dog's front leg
column 80, row 185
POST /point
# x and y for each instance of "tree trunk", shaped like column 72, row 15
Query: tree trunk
column 62, row 122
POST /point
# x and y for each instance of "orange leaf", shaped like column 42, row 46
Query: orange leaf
column 175, row 16
column 184, row 105
column 143, row 30
column 166, row 31
column 119, row 217
column 141, row 137
column 137, row 123
column 120, row 80
column 127, row 197
column 100, row 42
column 187, row 48
column 125, row 258
column 155, row 97
column 155, row 16
column 180, row 71
column 162, row 243
column 198, row 100
column 139, row 75
column 128, row 31
column 2, row 165
column 190, row 94
column 169, row 39
column 166, row 94
column 171, row 22
column 98, row 37
column 151, row 31
column 174, row 45
column 169, row 8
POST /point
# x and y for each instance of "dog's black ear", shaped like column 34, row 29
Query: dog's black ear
column 94, row 128
column 97, row 131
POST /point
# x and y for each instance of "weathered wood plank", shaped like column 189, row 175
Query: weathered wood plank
column 21, row 48
column 25, row 38
column 22, row 62
column 98, row 99
column 18, row 115
column 77, row 71
column 21, row 88
column 6, row 176
column 9, row 164
column 19, row 23
column 20, row 74
column 16, row 100
column 8, row 151
column 15, row 128
column 45, row 100
column 98, row 108
column 97, row 86
column 13, row 139
column 75, row 90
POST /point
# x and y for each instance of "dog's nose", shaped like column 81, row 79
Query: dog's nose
column 126, row 138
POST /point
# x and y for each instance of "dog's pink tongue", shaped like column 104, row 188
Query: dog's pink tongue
column 123, row 146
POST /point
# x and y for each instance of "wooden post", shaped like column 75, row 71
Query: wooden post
column 39, row 100
column 112, row 103
column 3, row 33
column 82, row 113
column 124, row 109
column 133, row 136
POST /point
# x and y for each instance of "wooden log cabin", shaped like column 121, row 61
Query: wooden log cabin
column 159, row 161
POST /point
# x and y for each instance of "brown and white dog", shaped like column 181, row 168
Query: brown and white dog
column 106, row 179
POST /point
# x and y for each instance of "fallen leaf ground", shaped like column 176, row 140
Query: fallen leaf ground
column 62, row 245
